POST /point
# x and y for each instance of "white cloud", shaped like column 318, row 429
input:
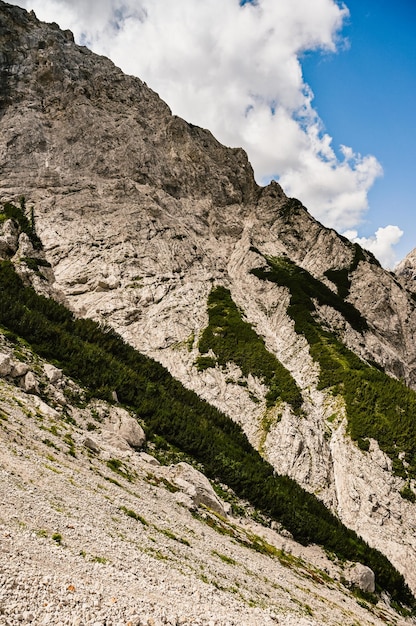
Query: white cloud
column 236, row 70
column 335, row 190
column 381, row 244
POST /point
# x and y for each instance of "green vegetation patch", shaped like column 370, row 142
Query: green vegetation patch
column 408, row 494
column 377, row 406
column 224, row 558
column 35, row 264
column 304, row 289
column 171, row 535
column 57, row 537
column 119, row 468
column 342, row 277
column 134, row 515
column 233, row 340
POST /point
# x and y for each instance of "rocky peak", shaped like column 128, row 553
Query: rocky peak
column 110, row 126
column 406, row 270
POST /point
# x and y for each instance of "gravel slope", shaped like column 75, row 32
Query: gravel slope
column 86, row 541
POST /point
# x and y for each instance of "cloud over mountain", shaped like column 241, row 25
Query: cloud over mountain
column 380, row 244
column 235, row 68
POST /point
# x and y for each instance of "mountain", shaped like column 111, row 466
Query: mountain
column 134, row 218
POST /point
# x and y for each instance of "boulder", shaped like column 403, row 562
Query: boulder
column 362, row 577
column 196, row 486
column 148, row 458
column 107, row 284
column 29, row 383
column 92, row 445
column 25, row 247
column 19, row 369
column 228, row 509
column 122, row 424
column 184, row 500
column 52, row 373
column 45, row 409
column 5, row 364
column 111, row 440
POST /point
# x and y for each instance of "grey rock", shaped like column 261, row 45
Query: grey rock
column 45, row 409
column 406, row 270
column 362, row 577
column 227, row 508
column 29, row 383
column 25, row 247
column 92, row 445
column 122, row 424
column 107, row 284
column 5, row 364
column 19, row 369
column 148, row 458
column 196, row 486
column 114, row 441
column 184, row 500
column 54, row 374
column 9, row 234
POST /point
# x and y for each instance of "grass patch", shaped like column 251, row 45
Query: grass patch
column 134, row 515
column 267, row 421
column 224, row 558
column 50, row 444
column 52, row 469
column 408, row 494
column 99, row 559
column 113, row 481
column 71, row 444
column 214, row 522
column 119, row 467
column 171, row 535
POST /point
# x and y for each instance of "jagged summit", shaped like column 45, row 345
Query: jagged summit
column 87, row 119
column 151, row 226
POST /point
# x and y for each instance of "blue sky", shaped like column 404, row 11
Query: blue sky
column 321, row 94
column 366, row 96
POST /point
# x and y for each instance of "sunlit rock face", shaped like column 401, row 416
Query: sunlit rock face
column 141, row 214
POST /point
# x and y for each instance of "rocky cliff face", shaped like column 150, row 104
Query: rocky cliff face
column 406, row 270
column 142, row 214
